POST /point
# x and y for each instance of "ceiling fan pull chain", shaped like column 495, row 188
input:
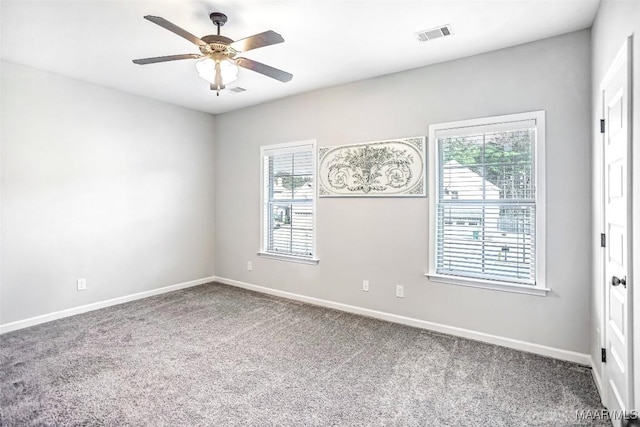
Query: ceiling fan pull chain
column 218, row 77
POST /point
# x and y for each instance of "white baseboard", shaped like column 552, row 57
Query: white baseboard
column 583, row 359
column 556, row 353
column 32, row 321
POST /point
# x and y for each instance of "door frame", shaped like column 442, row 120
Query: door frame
column 624, row 53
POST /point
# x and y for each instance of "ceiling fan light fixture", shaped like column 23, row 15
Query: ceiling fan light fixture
column 207, row 70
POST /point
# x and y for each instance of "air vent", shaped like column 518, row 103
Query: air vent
column 434, row 33
column 237, row 89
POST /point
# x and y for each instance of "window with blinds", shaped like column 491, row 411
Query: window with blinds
column 485, row 219
column 289, row 200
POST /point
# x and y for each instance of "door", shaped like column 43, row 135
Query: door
column 617, row 176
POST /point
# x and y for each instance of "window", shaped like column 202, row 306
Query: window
column 288, row 201
column 486, row 195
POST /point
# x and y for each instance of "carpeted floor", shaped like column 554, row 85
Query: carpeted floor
column 214, row 355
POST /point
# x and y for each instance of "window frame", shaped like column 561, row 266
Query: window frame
column 274, row 149
column 539, row 288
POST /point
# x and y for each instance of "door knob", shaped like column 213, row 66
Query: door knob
column 615, row 281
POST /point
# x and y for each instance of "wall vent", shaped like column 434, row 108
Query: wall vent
column 434, row 33
column 237, row 89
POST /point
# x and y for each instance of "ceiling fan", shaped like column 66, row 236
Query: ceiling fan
column 219, row 64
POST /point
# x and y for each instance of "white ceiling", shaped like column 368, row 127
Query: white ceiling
column 327, row 42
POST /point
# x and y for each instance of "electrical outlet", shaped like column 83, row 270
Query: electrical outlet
column 249, row 266
column 399, row 291
column 82, row 284
column 365, row 285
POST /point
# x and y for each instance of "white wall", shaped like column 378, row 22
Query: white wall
column 615, row 21
column 102, row 185
column 385, row 240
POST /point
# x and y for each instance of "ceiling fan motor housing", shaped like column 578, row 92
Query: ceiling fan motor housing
column 217, row 44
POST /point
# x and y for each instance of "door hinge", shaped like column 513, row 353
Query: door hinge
column 603, row 240
column 601, row 125
column 604, row 355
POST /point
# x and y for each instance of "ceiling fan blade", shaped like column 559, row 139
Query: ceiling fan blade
column 175, row 29
column 258, row 40
column 267, row 70
column 157, row 59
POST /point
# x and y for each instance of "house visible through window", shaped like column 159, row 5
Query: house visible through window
column 487, row 200
column 288, row 195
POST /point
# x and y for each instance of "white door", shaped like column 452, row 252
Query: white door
column 615, row 102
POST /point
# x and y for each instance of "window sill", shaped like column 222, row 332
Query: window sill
column 489, row 284
column 290, row 258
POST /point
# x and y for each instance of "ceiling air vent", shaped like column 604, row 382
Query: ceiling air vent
column 237, row 89
column 434, row 33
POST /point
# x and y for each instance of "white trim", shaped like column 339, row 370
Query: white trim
column 599, row 287
column 571, row 356
column 634, row 355
column 597, row 380
column 541, row 198
column 287, row 147
column 625, row 54
column 540, row 187
column 489, row 284
column 620, row 58
column 32, row 321
column 291, row 258
column 556, row 353
column 478, row 126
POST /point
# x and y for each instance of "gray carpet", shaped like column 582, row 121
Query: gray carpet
column 214, row 355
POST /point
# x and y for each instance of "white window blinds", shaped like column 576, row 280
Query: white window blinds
column 486, row 202
column 288, row 198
